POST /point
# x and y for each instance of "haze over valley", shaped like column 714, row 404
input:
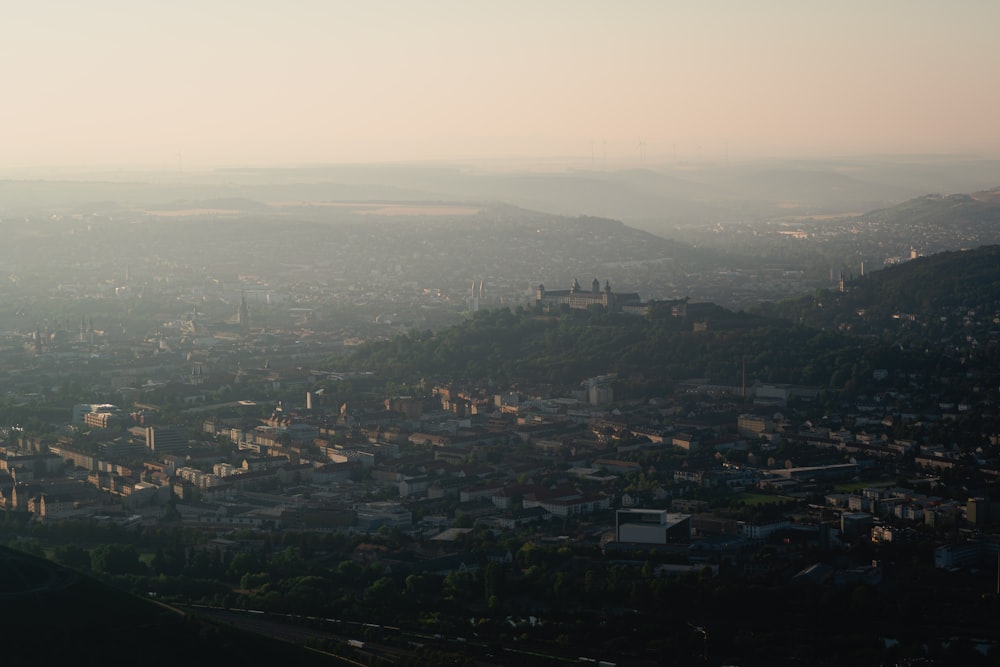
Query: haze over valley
column 413, row 243
column 554, row 333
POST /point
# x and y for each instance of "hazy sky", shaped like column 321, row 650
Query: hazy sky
column 256, row 82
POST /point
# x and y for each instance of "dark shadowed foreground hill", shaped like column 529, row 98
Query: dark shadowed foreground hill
column 55, row 616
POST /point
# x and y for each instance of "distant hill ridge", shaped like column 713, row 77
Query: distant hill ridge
column 938, row 222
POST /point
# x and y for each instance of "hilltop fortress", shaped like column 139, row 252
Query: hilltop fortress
column 575, row 297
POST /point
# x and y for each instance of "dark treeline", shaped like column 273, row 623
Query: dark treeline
column 549, row 597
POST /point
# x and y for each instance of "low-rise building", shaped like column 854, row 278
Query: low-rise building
column 651, row 526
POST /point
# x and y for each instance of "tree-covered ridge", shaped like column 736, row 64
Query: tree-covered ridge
column 909, row 317
column 927, row 285
column 929, row 291
column 649, row 353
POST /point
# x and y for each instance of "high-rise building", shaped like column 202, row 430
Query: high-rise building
column 243, row 316
column 977, row 511
column 161, row 440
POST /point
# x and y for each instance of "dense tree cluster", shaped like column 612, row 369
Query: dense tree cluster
column 550, row 598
